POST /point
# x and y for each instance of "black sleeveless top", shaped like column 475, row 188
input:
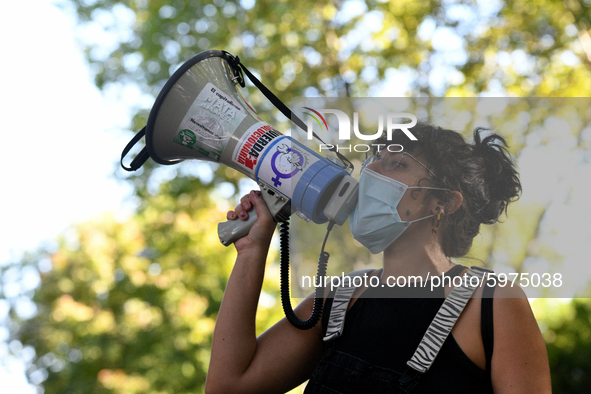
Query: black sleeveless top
column 382, row 331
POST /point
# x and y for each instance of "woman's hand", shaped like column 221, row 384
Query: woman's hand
column 261, row 232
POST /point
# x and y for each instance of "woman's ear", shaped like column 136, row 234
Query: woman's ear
column 450, row 205
column 455, row 202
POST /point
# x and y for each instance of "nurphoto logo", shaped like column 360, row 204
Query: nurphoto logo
column 392, row 121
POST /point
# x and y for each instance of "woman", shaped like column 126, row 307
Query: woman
column 445, row 189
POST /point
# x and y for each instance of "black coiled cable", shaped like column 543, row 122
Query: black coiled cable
column 318, row 293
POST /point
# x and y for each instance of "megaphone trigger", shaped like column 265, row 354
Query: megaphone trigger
column 279, row 206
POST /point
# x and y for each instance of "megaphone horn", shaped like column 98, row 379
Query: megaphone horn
column 201, row 114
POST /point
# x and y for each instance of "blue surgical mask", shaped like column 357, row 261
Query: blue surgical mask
column 375, row 222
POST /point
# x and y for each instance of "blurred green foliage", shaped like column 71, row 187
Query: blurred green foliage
column 566, row 326
column 130, row 306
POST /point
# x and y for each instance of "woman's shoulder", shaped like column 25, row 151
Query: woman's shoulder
column 519, row 348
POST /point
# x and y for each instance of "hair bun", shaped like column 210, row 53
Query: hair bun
column 502, row 183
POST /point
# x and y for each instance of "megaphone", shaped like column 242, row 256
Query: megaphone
column 201, row 114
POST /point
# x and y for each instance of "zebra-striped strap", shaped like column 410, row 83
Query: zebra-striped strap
column 338, row 311
column 445, row 320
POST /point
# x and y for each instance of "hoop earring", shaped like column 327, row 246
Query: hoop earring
column 435, row 227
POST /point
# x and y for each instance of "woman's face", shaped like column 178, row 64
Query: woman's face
column 412, row 171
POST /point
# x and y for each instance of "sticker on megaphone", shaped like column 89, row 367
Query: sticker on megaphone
column 210, row 122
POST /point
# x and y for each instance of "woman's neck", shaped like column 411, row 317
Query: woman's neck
column 415, row 253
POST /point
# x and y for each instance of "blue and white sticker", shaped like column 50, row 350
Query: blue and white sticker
column 284, row 163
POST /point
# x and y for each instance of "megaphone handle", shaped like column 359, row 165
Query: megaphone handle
column 232, row 230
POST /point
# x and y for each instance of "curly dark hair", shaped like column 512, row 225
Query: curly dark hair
column 483, row 172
